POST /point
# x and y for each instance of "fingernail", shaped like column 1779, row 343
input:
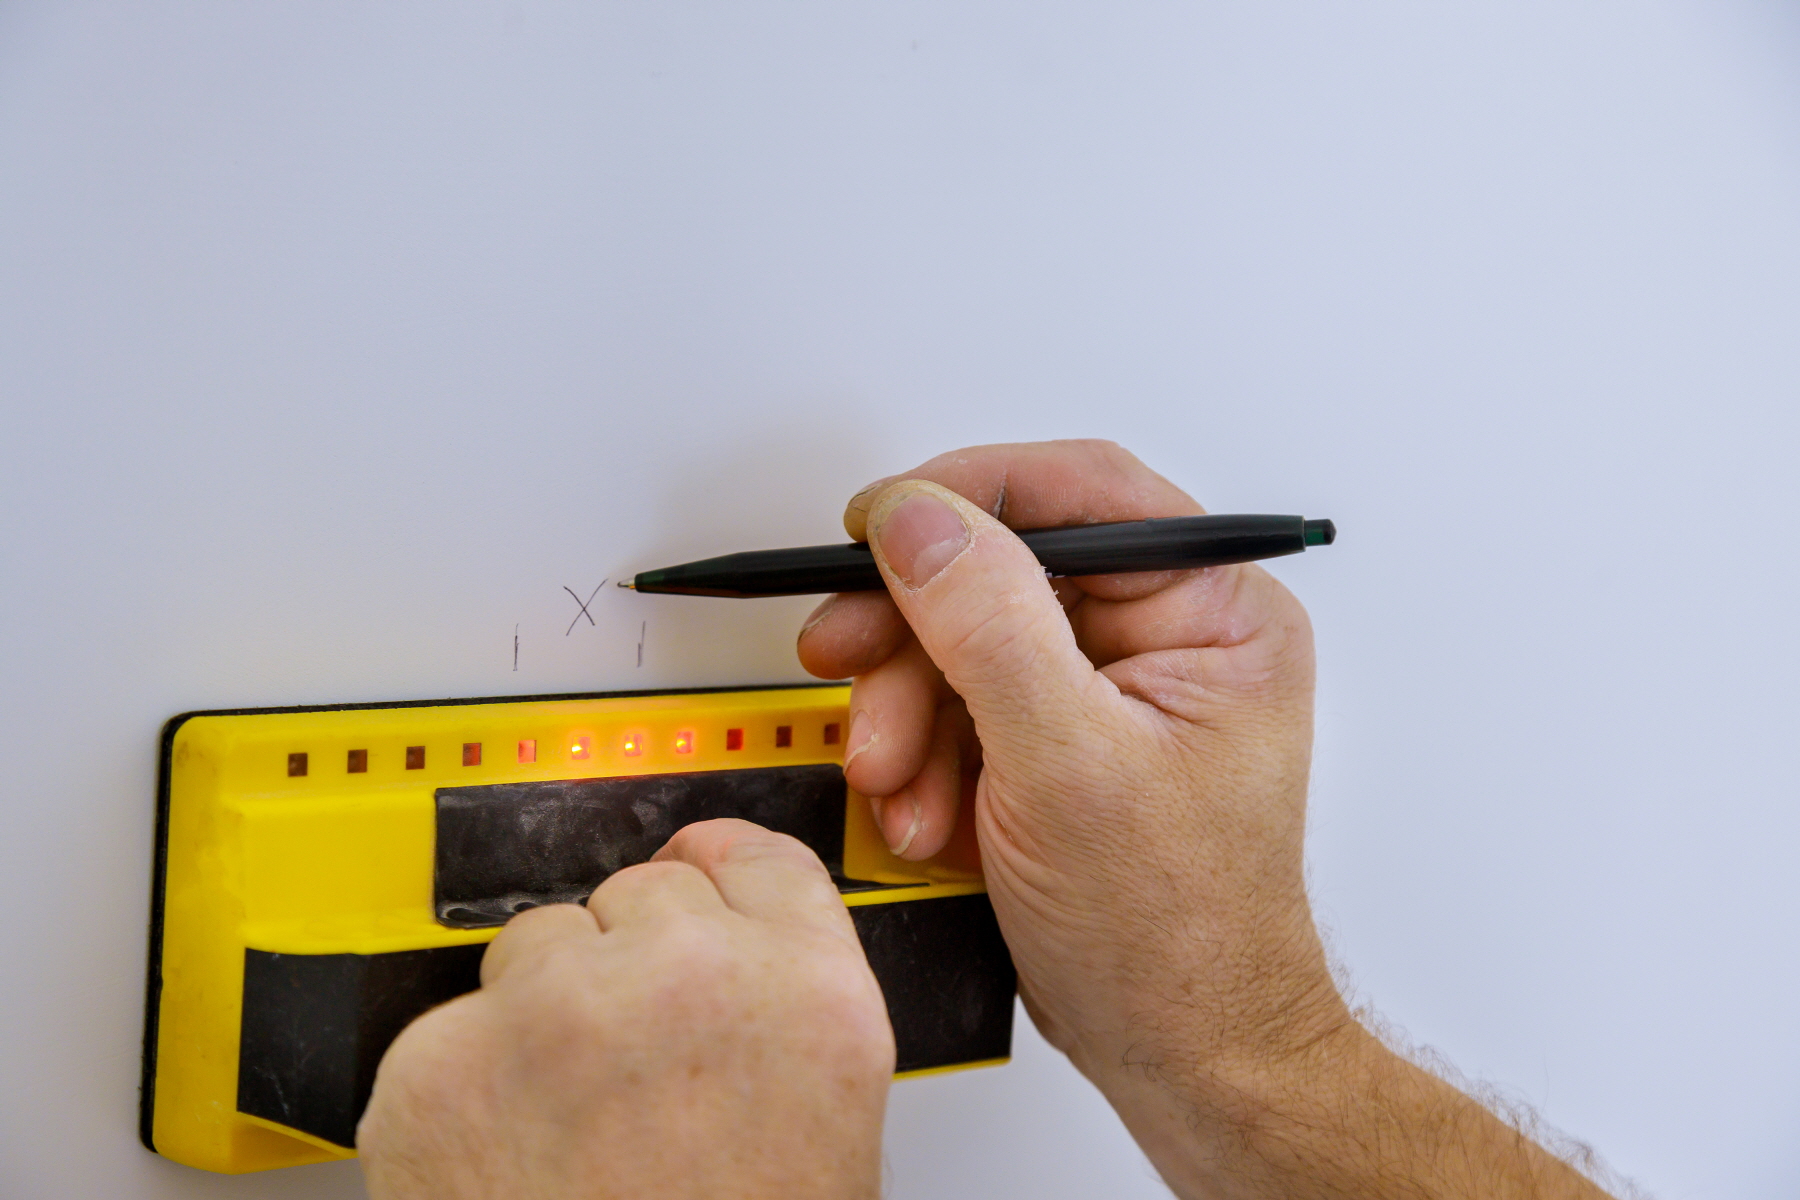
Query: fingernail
column 900, row 819
column 862, row 736
column 818, row 614
column 857, row 500
column 919, row 537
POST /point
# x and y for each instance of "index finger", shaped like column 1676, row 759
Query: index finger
column 535, row 935
column 1038, row 485
column 1042, row 485
column 761, row 874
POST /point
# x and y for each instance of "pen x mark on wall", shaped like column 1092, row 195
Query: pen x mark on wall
column 583, row 605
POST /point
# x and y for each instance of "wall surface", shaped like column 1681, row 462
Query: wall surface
column 337, row 339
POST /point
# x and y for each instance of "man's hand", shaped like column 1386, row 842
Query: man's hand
column 707, row 1026
column 1134, row 750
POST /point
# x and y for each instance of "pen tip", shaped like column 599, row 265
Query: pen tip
column 1320, row 533
column 626, row 583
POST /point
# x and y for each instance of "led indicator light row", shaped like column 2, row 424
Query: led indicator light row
column 580, row 748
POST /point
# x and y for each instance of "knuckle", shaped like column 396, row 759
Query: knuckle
column 732, row 839
column 527, row 922
column 706, row 841
column 683, row 839
column 696, row 966
column 754, row 842
column 998, row 634
column 695, row 946
column 643, row 877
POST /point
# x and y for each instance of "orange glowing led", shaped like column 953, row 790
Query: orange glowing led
column 633, row 746
column 684, row 742
column 578, row 748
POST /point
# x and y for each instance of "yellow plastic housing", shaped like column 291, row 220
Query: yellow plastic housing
column 264, row 849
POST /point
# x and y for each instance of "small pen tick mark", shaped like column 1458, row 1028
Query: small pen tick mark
column 643, row 629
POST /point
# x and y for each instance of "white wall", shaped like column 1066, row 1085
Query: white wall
column 336, row 339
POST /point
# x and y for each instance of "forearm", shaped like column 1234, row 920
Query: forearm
column 1342, row 1117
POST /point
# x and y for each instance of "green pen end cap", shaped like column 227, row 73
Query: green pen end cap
column 1320, row 533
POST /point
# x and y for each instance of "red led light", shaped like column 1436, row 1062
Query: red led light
column 528, row 750
column 578, row 748
column 784, row 735
column 471, row 754
column 684, row 742
column 734, row 739
column 634, row 745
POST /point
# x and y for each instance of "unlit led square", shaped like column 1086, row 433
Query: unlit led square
column 297, row 764
column 415, row 758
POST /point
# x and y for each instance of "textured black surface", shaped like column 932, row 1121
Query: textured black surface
column 316, row 1025
column 508, row 846
column 947, row 977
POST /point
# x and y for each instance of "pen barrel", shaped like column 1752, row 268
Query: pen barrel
column 1166, row 543
column 802, row 571
column 1160, row 544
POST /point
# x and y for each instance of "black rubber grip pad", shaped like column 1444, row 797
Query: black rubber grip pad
column 506, row 847
column 316, row 1025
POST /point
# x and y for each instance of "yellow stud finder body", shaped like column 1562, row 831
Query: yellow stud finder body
column 324, row 875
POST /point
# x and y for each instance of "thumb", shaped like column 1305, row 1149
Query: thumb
column 981, row 607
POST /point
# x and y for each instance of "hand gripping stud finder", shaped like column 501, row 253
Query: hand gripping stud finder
column 325, row 875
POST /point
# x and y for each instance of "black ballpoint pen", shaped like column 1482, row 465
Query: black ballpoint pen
column 1159, row 544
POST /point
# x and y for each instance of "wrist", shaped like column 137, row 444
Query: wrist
column 1225, row 1101
column 1330, row 1116
column 1252, row 1125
